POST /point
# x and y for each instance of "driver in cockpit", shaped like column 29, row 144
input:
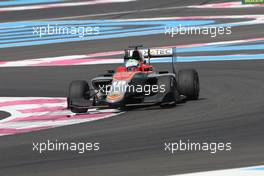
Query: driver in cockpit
column 134, row 62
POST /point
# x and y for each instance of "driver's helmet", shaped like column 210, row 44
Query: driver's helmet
column 137, row 55
column 131, row 64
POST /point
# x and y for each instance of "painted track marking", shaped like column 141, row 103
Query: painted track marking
column 246, row 171
column 96, row 58
column 37, row 113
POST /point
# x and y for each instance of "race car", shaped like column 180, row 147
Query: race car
column 136, row 83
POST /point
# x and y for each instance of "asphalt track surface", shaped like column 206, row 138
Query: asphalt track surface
column 230, row 108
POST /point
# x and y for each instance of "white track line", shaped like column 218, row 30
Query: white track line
column 247, row 171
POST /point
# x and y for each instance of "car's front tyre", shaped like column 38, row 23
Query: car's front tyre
column 78, row 90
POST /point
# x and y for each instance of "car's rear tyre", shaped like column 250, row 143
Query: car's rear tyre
column 188, row 83
column 78, row 90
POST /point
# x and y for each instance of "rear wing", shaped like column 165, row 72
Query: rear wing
column 152, row 53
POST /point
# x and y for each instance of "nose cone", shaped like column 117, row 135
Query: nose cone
column 114, row 97
column 119, row 87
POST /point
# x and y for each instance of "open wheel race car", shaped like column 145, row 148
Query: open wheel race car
column 136, row 83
